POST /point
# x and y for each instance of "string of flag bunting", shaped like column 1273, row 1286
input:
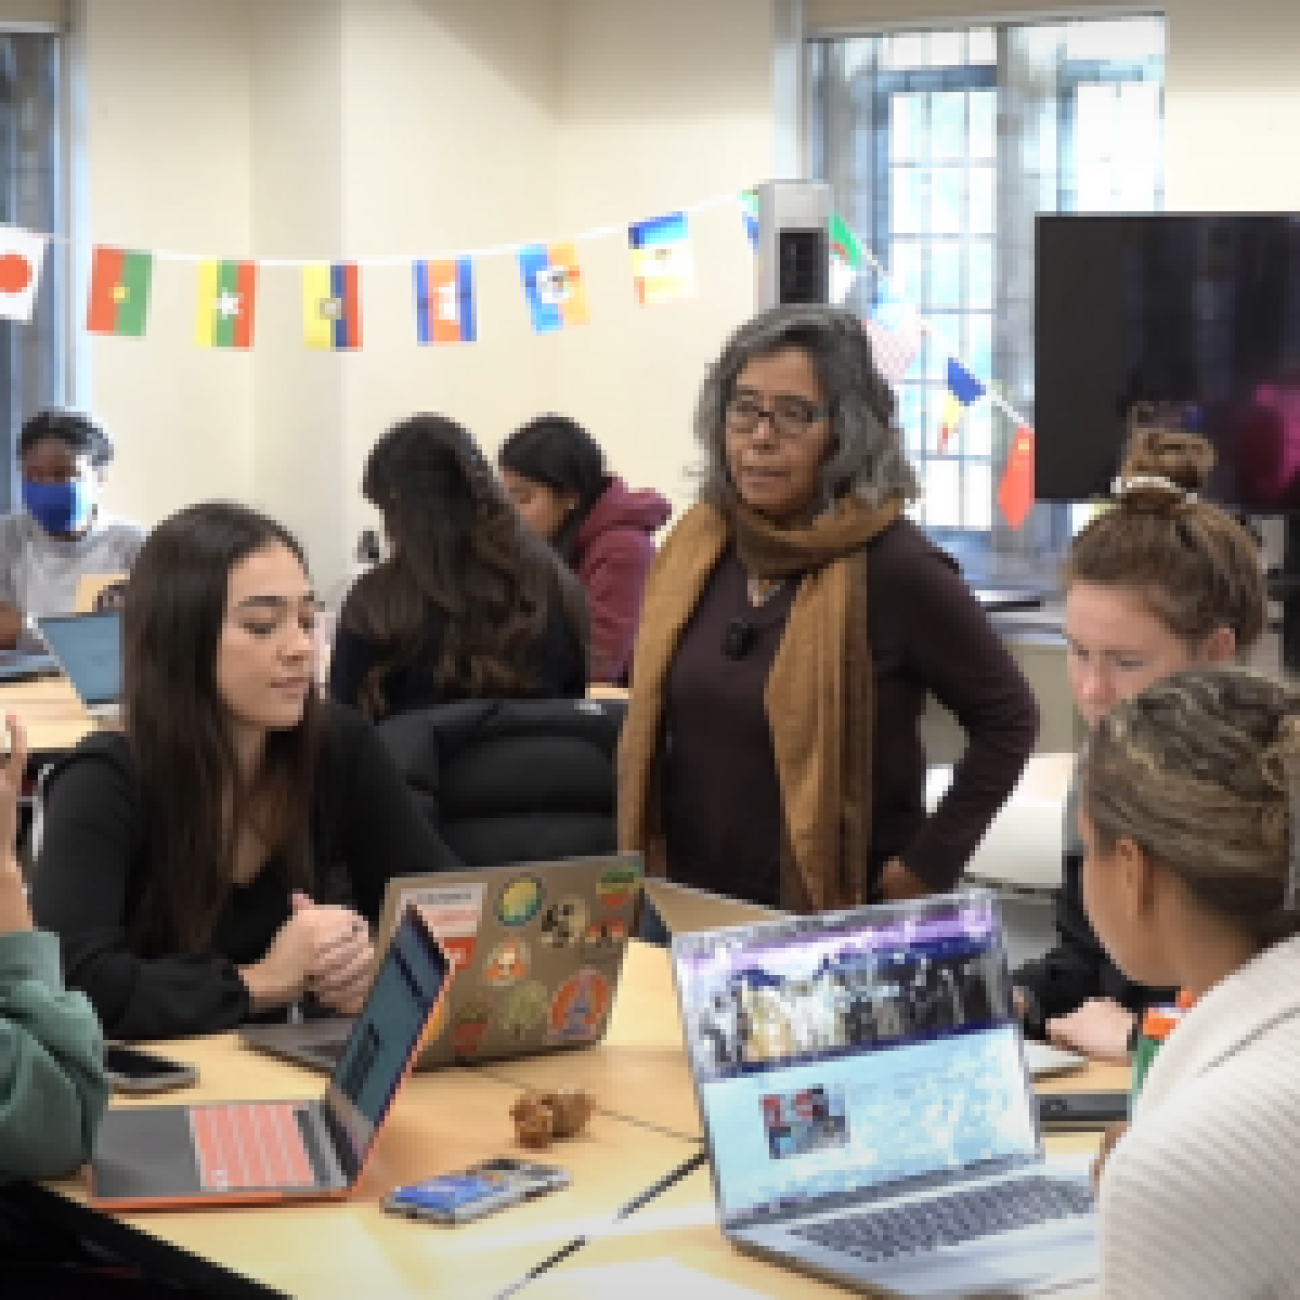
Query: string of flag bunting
column 554, row 289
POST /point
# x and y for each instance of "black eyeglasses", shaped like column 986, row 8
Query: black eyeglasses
column 790, row 417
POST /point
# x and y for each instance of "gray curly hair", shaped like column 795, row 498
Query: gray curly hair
column 866, row 457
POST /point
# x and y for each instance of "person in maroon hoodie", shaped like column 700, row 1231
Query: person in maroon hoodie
column 554, row 471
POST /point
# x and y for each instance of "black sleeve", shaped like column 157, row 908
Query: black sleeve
column 1070, row 973
column 382, row 831
column 954, row 650
column 92, row 842
column 350, row 661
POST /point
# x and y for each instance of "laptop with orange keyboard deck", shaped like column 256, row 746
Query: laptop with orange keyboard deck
column 224, row 1153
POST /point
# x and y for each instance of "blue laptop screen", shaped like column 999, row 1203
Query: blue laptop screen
column 841, row 1053
column 89, row 646
column 387, row 1032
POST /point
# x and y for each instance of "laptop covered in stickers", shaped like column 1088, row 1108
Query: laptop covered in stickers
column 537, row 951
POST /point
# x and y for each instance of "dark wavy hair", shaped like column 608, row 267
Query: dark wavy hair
column 459, row 550
column 195, row 799
column 560, row 453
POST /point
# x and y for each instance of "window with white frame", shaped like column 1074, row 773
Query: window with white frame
column 32, row 353
column 940, row 147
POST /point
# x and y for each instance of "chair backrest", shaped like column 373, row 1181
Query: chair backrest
column 97, row 591
column 508, row 781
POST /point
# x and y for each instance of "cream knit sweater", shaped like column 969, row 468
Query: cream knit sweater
column 1201, row 1198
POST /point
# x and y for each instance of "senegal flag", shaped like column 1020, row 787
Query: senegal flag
column 119, row 292
column 226, row 301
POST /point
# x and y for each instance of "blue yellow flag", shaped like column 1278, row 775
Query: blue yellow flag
column 662, row 267
column 553, row 284
column 963, row 389
column 331, row 306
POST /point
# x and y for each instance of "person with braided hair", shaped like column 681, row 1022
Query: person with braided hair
column 794, row 625
column 1189, row 813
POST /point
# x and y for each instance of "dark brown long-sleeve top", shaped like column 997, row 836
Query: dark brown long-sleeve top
column 929, row 636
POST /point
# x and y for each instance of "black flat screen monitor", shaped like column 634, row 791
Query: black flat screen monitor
column 1196, row 316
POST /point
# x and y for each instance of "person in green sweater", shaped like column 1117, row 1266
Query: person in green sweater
column 52, row 1086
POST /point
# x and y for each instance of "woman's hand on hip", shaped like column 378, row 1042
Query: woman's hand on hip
column 897, row 882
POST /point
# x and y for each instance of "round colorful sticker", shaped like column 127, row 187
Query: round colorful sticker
column 523, row 1009
column 579, row 1007
column 604, row 937
column 520, row 900
column 564, row 923
column 469, row 1026
column 617, row 885
column 507, row 963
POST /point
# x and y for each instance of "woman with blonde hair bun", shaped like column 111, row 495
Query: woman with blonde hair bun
column 1189, row 799
column 1161, row 581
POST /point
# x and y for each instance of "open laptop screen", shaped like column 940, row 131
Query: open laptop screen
column 386, row 1034
column 843, row 1052
column 89, row 646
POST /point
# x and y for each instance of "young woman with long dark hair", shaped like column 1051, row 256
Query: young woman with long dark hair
column 225, row 855
column 468, row 604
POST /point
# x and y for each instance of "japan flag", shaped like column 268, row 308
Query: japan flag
column 21, row 254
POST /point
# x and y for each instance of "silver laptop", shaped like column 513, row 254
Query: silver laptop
column 867, row 1107
column 88, row 647
column 537, row 949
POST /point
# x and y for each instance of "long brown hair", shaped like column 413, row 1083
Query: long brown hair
column 1202, row 770
column 458, row 549
column 195, row 799
column 1195, row 567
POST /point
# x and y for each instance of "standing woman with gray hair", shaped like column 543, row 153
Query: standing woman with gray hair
column 793, row 626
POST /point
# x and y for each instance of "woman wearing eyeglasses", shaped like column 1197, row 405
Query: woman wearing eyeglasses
column 793, row 626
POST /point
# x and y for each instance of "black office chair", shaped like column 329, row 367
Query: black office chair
column 509, row 781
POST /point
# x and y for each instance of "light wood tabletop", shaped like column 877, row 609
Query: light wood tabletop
column 443, row 1121
column 647, row 1125
column 51, row 712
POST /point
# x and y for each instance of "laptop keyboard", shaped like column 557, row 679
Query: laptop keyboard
column 923, row 1226
column 243, row 1147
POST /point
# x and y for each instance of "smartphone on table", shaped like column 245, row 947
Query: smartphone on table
column 131, row 1070
column 1066, row 1111
column 471, row 1193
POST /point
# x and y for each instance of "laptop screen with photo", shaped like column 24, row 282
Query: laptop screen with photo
column 386, row 1034
column 838, row 1053
column 89, row 647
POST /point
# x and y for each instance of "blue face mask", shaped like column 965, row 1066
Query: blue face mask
column 59, row 507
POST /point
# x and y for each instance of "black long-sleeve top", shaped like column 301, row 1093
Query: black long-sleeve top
column 93, row 868
column 1077, row 967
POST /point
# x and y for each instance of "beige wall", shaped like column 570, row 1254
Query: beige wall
column 450, row 142
column 656, row 114
column 371, row 127
column 167, row 151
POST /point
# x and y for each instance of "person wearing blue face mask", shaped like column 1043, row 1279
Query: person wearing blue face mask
column 62, row 534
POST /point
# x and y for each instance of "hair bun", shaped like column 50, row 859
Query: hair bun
column 1163, row 462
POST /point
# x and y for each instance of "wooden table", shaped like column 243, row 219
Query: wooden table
column 51, row 711
column 443, row 1121
column 647, row 1125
